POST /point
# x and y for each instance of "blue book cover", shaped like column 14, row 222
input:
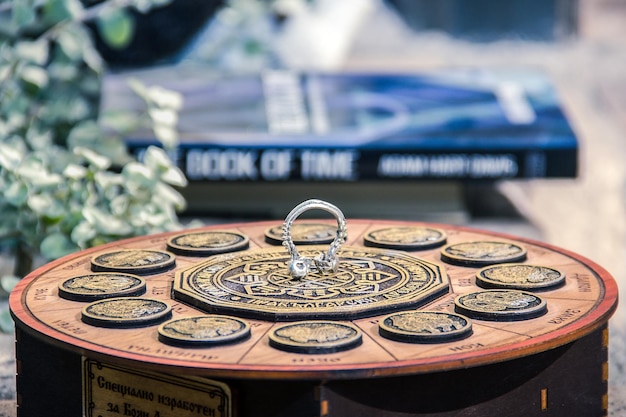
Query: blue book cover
column 448, row 124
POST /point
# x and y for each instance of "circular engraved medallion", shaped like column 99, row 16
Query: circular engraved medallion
column 126, row 312
column 315, row 337
column 258, row 284
column 203, row 331
column 133, row 261
column 101, row 285
column 405, row 238
column 303, row 234
column 207, row 243
column 482, row 253
column 519, row 277
column 500, row 305
column 424, row 326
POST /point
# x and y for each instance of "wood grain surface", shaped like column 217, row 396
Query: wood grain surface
column 584, row 303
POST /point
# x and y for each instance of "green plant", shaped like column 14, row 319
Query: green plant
column 66, row 180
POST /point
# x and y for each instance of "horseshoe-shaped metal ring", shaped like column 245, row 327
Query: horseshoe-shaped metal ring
column 325, row 263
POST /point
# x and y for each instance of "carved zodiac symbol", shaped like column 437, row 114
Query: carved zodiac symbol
column 322, row 333
column 500, row 301
column 424, row 323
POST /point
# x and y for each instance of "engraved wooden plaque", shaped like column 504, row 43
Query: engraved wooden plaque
column 551, row 364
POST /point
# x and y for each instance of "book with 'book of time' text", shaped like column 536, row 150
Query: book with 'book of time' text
column 457, row 124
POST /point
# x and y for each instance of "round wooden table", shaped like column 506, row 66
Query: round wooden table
column 553, row 364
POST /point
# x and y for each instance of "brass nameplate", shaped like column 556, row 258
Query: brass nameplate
column 110, row 390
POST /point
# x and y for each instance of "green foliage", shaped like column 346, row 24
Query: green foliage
column 6, row 285
column 58, row 201
column 66, row 181
column 116, row 27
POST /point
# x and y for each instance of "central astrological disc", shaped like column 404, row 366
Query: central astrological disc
column 258, row 284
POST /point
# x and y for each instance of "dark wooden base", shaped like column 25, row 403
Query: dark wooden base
column 569, row 380
column 552, row 365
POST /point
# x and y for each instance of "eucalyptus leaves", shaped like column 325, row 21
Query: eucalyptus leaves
column 66, row 181
column 60, row 201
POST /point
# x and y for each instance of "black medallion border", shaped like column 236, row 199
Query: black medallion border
column 241, row 335
column 472, row 262
column 517, row 315
column 170, row 263
column 295, row 347
column 134, row 291
column 121, row 323
column 486, row 283
column 422, row 338
column 370, row 241
column 178, row 249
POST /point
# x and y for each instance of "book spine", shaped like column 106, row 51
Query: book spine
column 203, row 163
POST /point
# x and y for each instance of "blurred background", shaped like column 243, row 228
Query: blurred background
column 578, row 46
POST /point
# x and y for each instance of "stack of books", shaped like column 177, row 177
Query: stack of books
column 331, row 130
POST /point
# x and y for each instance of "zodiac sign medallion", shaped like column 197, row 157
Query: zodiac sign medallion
column 126, row 312
column 315, row 337
column 424, row 326
column 501, row 305
column 204, row 330
column 101, row 285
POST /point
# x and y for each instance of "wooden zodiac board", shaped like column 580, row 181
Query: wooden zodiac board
column 564, row 306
